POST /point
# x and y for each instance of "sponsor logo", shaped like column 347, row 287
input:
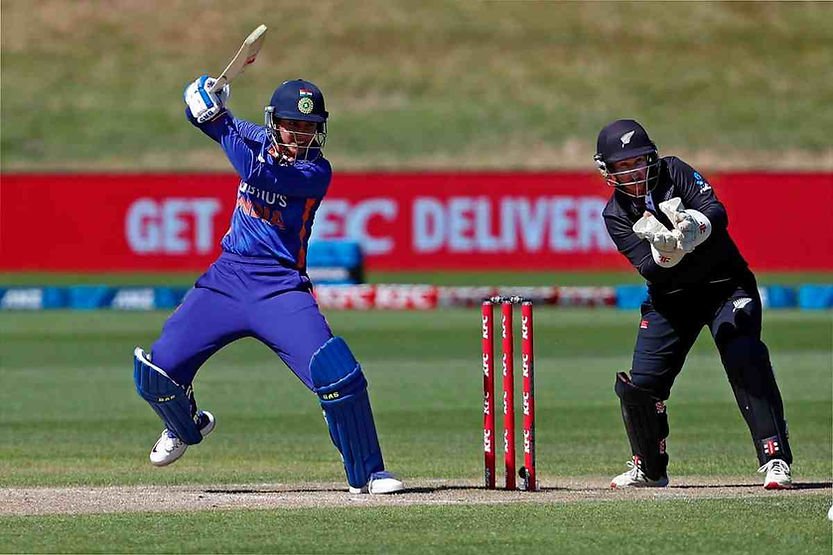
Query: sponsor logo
column 331, row 396
column 171, row 226
column 771, row 446
column 525, row 365
column 487, row 441
column 22, row 299
column 485, row 327
column 486, row 364
column 643, row 325
column 269, row 197
column 470, row 225
column 526, row 404
column 133, row 299
column 487, row 405
column 527, row 441
column 701, row 182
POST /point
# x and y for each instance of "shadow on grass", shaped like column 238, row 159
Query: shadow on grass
column 445, row 487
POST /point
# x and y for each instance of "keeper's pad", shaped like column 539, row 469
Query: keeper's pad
column 747, row 364
column 171, row 401
column 646, row 423
column 342, row 389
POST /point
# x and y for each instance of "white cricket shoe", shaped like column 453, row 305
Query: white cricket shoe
column 635, row 478
column 380, row 483
column 169, row 448
column 777, row 475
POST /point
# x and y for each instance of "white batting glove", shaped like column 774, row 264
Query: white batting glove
column 693, row 225
column 204, row 105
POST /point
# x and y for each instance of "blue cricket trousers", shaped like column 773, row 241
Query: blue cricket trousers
column 243, row 297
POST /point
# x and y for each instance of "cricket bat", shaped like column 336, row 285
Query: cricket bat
column 245, row 56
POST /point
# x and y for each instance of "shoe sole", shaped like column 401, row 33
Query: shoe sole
column 390, row 489
column 399, row 486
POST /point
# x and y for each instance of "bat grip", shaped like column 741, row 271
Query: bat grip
column 219, row 83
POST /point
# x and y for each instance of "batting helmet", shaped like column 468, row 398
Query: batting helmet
column 302, row 101
column 621, row 140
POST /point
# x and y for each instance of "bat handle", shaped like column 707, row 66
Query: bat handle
column 219, row 83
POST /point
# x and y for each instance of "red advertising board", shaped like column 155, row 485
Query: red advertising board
column 407, row 221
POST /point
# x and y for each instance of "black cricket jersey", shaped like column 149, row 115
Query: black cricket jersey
column 715, row 260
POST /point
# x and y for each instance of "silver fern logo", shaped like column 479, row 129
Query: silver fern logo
column 626, row 138
column 740, row 303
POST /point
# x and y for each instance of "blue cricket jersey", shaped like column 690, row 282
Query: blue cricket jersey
column 276, row 204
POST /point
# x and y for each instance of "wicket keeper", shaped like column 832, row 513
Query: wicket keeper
column 259, row 287
column 665, row 218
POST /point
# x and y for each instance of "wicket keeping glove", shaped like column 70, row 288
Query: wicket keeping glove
column 664, row 243
column 693, row 225
column 203, row 105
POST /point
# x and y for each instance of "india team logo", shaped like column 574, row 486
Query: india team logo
column 305, row 105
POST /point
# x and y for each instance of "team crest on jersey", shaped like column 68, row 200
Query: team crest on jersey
column 740, row 303
column 305, row 105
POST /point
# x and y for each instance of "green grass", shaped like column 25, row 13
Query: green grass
column 703, row 526
column 69, row 416
column 57, row 400
column 433, row 84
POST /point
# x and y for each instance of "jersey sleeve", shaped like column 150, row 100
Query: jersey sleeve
column 696, row 193
column 243, row 142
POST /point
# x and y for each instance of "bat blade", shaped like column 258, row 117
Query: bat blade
column 244, row 57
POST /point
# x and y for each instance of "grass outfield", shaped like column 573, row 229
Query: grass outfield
column 69, row 417
column 705, row 526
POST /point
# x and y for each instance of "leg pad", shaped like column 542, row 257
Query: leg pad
column 171, row 401
column 342, row 390
column 747, row 364
column 646, row 423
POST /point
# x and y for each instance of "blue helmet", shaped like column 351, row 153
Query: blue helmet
column 298, row 100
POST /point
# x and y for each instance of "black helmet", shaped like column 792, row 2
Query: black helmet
column 302, row 101
column 621, row 140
